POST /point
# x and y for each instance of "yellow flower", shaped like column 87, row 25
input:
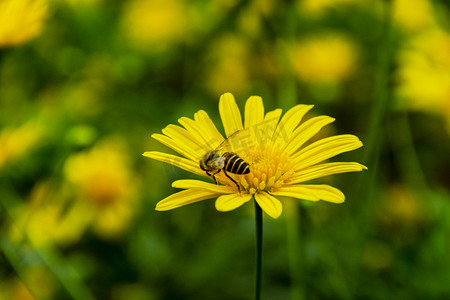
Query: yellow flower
column 14, row 288
column 153, row 24
column 424, row 73
column 106, row 190
column 82, row 3
column 49, row 218
column 228, row 69
column 16, row 142
column 317, row 7
column 35, row 282
column 272, row 146
column 21, row 20
column 325, row 58
column 99, row 194
column 413, row 14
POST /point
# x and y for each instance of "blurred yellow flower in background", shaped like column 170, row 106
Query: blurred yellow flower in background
column 16, row 142
column 35, row 282
column 14, row 289
column 82, row 3
column 413, row 14
column 155, row 24
column 100, row 194
column 274, row 148
column 106, row 190
column 252, row 16
column 404, row 206
column 424, row 73
column 46, row 218
column 324, row 58
column 317, row 7
column 227, row 65
column 21, row 20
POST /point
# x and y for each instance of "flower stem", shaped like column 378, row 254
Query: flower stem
column 259, row 236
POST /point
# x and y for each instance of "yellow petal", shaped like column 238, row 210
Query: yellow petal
column 230, row 114
column 177, row 161
column 21, row 20
column 324, row 149
column 184, row 137
column 232, row 201
column 201, row 185
column 312, row 192
column 296, row 191
column 202, row 130
column 178, row 146
column 184, row 198
column 197, row 133
column 326, row 169
column 306, row 131
column 254, row 112
column 205, row 122
column 270, row 122
column 271, row 205
column 326, row 192
column 289, row 122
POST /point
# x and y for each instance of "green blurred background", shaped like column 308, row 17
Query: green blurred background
column 83, row 85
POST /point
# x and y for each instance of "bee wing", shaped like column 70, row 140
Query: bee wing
column 237, row 142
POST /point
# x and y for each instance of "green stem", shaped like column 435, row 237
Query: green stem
column 259, row 237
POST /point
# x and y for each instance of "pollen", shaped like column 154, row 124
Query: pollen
column 269, row 167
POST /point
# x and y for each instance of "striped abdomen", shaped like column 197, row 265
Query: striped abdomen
column 234, row 164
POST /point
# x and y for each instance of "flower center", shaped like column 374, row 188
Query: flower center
column 269, row 168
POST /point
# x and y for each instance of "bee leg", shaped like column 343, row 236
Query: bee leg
column 239, row 188
column 213, row 176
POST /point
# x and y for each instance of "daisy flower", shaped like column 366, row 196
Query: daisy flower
column 272, row 145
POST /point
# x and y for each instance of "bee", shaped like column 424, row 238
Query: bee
column 214, row 161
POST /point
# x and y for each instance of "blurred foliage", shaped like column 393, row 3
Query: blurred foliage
column 83, row 84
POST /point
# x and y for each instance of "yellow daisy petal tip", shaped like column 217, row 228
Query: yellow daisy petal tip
column 227, row 97
column 227, row 94
column 269, row 204
column 230, row 202
column 274, row 215
column 337, row 201
column 254, row 98
column 162, row 207
column 159, row 208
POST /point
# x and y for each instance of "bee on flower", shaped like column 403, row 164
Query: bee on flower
column 262, row 158
column 228, row 162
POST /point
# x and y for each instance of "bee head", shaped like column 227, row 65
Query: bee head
column 203, row 165
column 212, row 161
